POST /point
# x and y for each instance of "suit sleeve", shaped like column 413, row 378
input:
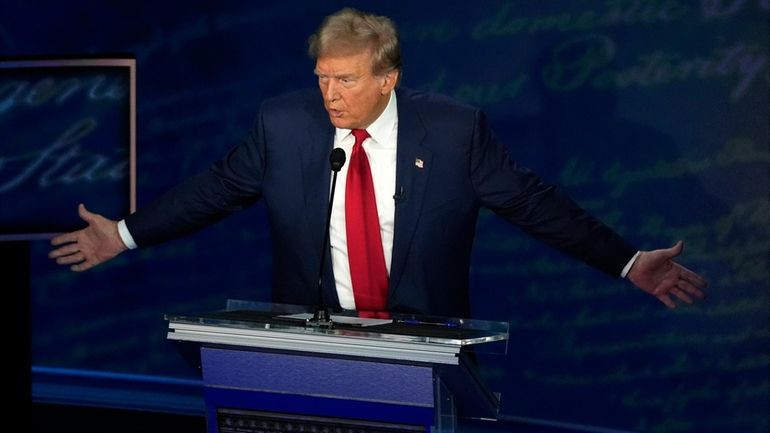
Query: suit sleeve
column 543, row 211
column 231, row 184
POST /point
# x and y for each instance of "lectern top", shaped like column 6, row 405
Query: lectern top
column 281, row 326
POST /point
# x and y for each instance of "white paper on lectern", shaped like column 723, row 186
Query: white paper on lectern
column 347, row 320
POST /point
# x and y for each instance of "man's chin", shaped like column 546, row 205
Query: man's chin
column 340, row 123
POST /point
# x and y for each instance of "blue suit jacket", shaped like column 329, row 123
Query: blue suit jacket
column 285, row 161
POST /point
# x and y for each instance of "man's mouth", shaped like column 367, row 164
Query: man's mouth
column 334, row 113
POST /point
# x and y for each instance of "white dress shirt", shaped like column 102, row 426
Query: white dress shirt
column 380, row 149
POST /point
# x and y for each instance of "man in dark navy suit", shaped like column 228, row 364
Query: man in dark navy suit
column 420, row 168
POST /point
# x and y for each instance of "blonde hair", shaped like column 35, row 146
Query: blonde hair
column 350, row 31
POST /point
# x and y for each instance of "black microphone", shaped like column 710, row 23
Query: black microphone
column 399, row 195
column 321, row 317
column 337, row 160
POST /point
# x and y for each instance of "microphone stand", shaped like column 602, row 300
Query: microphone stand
column 321, row 317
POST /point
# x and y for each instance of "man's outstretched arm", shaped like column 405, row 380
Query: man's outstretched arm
column 86, row 248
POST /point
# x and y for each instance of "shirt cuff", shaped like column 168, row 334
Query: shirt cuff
column 629, row 265
column 126, row 237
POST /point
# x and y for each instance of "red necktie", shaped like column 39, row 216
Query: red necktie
column 362, row 225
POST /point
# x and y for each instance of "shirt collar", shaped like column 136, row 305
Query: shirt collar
column 382, row 128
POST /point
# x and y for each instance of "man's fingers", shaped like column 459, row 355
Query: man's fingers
column 65, row 238
column 681, row 288
column 665, row 285
column 679, row 293
column 80, row 267
column 70, row 259
column 693, row 278
column 86, row 216
column 691, row 289
column 64, row 251
column 96, row 239
column 666, row 300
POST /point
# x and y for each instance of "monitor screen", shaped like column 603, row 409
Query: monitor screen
column 67, row 135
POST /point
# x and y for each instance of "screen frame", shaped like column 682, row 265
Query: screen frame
column 81, row 62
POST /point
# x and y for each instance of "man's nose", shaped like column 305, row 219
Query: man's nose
column 331, row 93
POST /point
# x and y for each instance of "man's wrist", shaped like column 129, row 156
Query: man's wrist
column 629, row 265
column 125, row 235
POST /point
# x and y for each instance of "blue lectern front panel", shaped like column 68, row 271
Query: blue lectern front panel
column 293, row 384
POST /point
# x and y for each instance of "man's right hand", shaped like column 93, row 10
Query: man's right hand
column 86, row 248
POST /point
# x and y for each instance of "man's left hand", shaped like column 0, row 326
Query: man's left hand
column 658, row 274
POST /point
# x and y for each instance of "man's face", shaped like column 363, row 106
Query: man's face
column 353, row 96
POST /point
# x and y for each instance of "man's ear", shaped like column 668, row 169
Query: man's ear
column 389, row 83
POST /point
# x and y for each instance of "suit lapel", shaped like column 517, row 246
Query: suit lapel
column 412, row 169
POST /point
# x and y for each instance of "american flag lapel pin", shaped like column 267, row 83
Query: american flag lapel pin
column 419, row 163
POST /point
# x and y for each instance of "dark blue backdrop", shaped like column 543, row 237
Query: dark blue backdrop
column 651, row 113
